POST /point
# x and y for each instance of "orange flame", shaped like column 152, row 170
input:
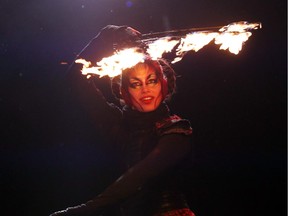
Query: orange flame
column 194, row 41
column 160, row 46
column 113, row 65
column 232, row 42
column 229, row 37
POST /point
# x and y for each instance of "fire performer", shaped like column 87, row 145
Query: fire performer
column 155, row 143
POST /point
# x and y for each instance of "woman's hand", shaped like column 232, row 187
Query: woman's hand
column 122, row 36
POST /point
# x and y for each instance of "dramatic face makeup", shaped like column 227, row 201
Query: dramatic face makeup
column 144, row 88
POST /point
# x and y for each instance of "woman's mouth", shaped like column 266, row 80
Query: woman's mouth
column 147, row 100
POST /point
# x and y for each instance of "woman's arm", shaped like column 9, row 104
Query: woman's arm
column 109, row 38
column 170, row 150
column 84, row 90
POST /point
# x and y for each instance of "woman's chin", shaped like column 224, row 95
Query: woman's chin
column 148, row 108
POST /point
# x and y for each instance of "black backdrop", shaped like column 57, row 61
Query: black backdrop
column 51, row 157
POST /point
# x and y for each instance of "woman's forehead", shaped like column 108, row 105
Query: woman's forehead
column 142, row 72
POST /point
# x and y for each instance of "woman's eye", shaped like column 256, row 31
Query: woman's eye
column 135, row 85
column 152, row 81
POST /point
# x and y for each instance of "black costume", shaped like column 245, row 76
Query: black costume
column 154, row 143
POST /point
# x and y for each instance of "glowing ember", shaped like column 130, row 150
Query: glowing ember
column 229, row 37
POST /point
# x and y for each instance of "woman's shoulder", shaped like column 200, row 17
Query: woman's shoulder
column 173, row 125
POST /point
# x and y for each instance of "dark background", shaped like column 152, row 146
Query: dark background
column 51, row 157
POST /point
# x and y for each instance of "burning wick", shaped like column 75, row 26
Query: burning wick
column 229, row 37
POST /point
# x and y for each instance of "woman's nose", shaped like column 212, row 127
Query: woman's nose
column 145, row 88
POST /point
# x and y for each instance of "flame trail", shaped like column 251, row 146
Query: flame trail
column 229, row 37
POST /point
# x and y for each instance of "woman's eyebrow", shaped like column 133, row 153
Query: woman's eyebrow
column 151, row 75
column 138, row 79
column 134, row 78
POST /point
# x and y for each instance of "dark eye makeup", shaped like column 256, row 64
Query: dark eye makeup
column 152, row 80
column 135, row 84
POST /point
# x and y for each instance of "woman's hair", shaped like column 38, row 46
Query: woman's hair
column 164, row 73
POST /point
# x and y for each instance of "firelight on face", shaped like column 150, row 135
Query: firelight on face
column 144, row 88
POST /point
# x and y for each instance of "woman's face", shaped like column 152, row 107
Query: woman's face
column 144, row 89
